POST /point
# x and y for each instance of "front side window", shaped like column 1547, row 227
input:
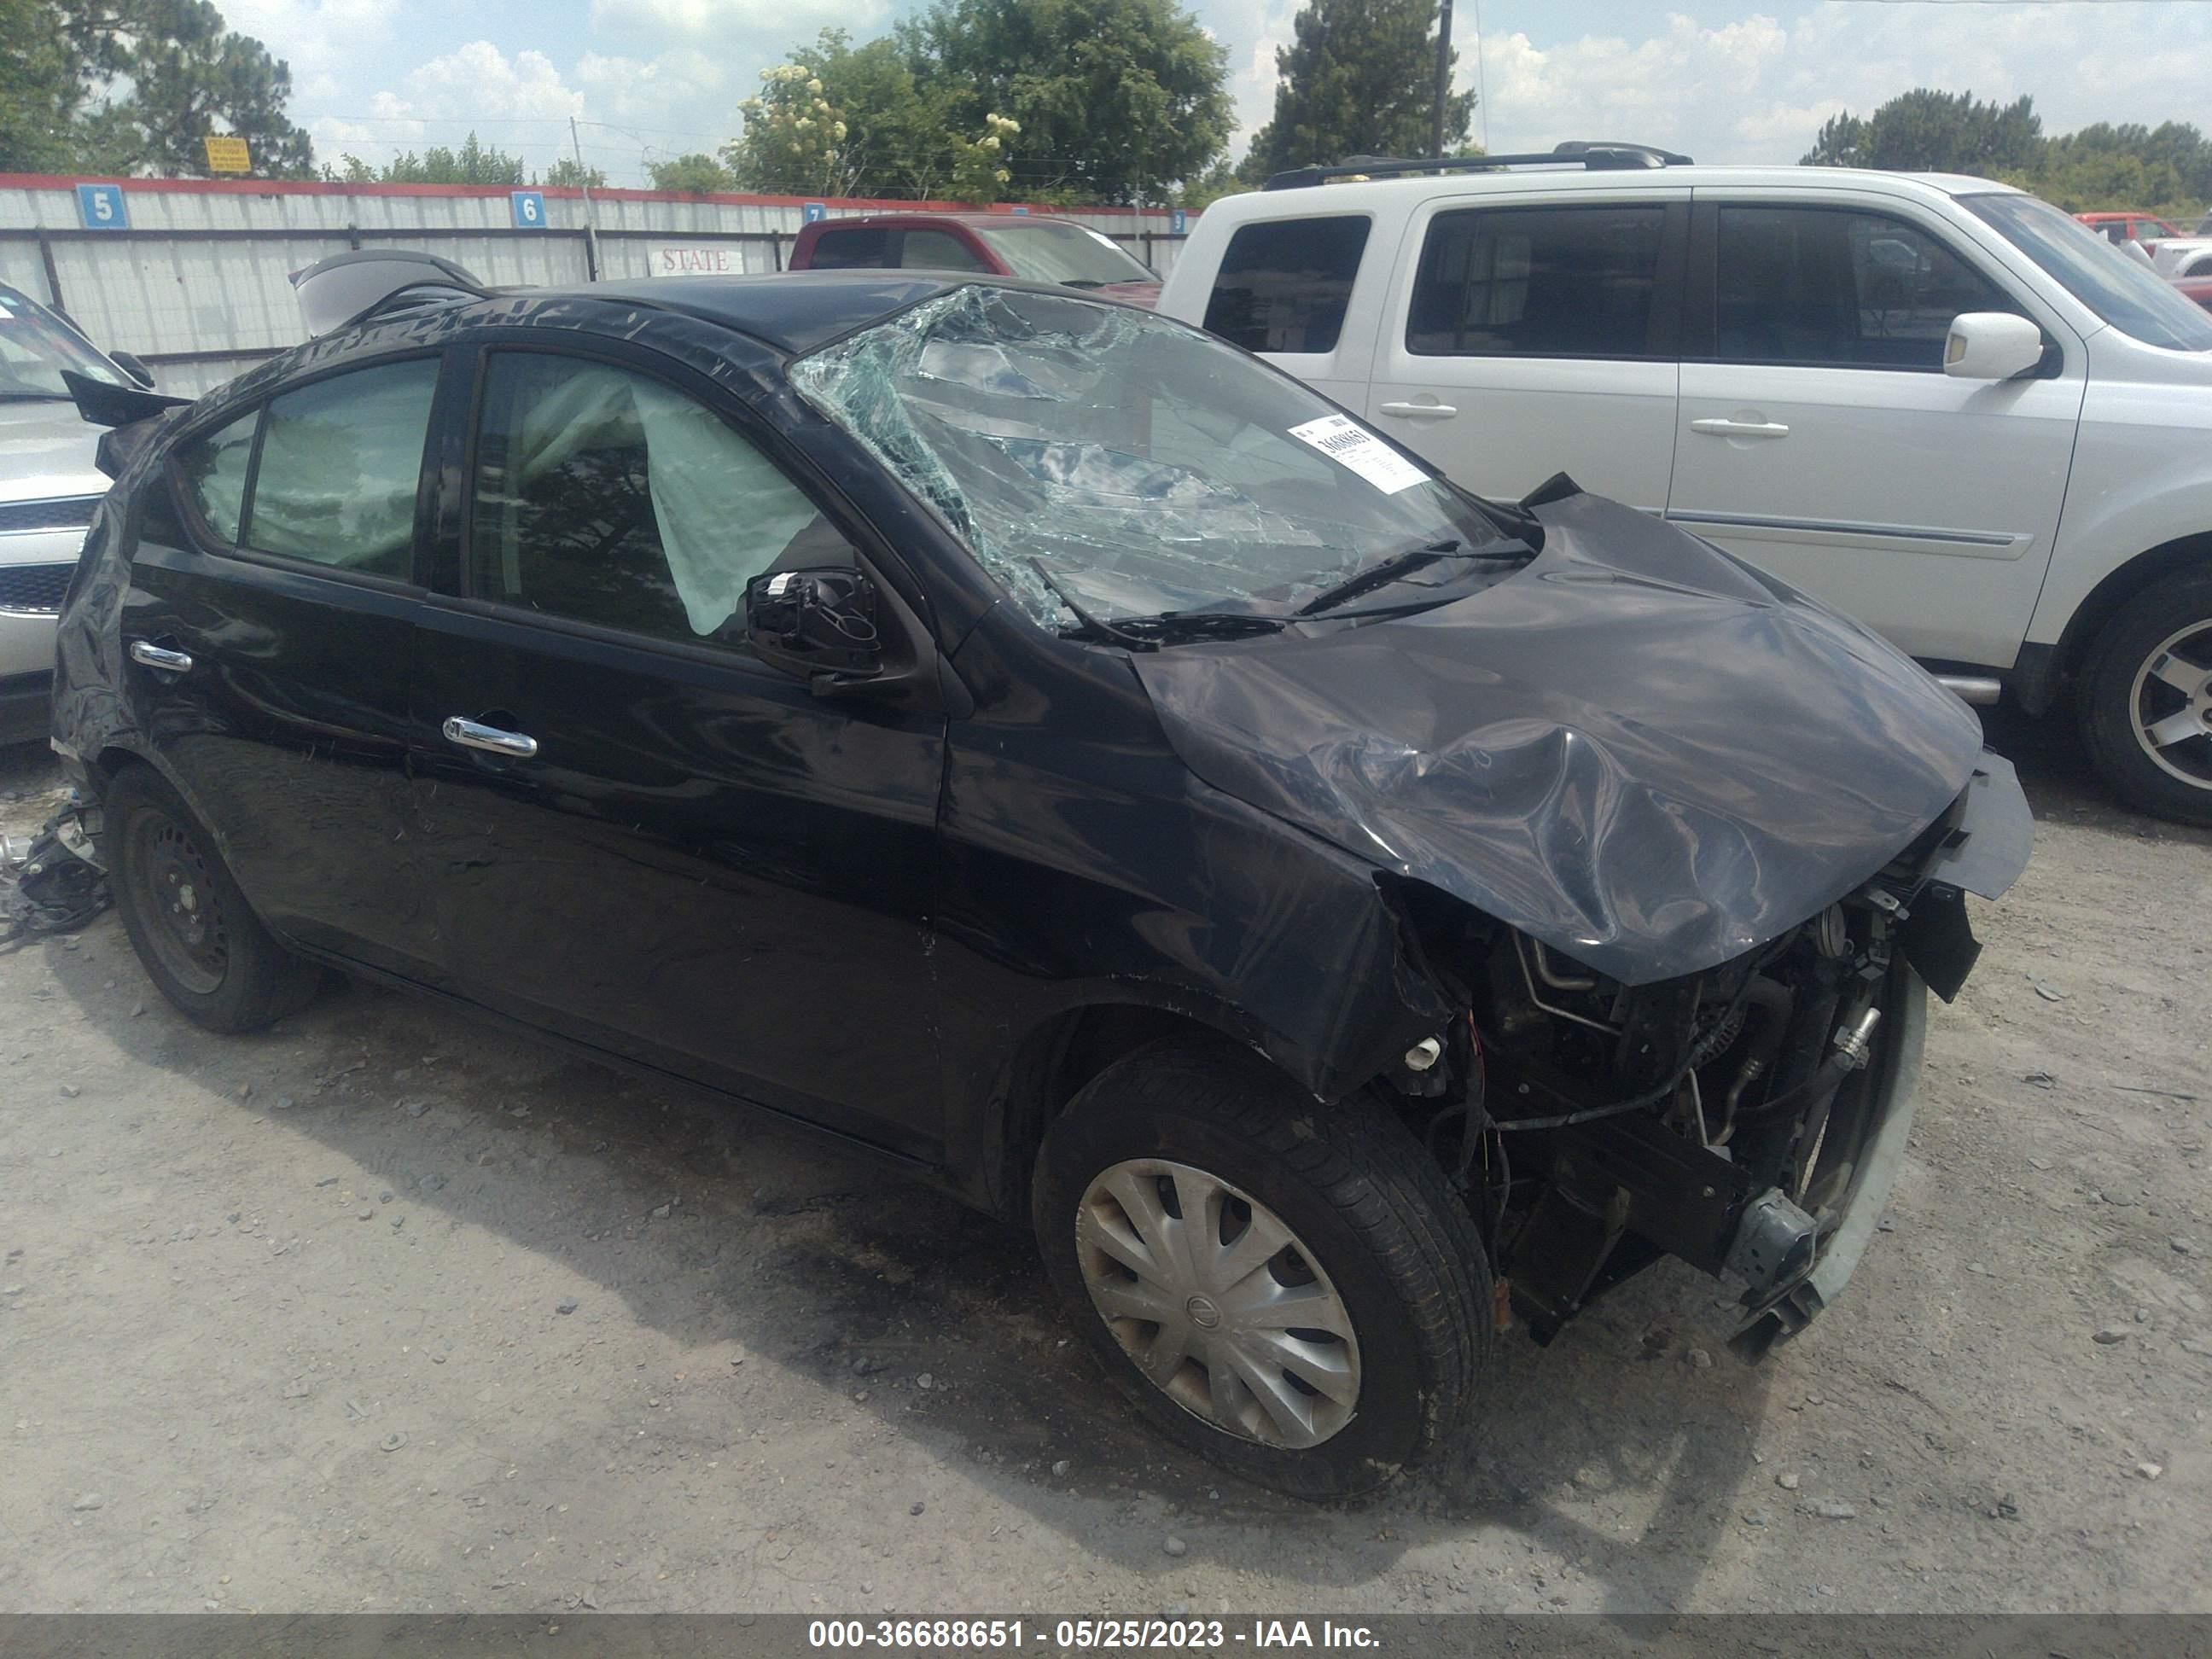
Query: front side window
column 341, row 464
column 211, row 470
column 606, row 497
column 1285, row 285
column 1838, row 288
column 1092, row 450
column 1551, row 282
column 2119, row 288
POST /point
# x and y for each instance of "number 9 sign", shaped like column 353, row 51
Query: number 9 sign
column 529, row 210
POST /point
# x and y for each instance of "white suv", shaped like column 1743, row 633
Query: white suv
column 1939, row 403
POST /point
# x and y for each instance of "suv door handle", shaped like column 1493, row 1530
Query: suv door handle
column 470, row 735
column 155, row 656
column 1418, row 411
column 1723, row 428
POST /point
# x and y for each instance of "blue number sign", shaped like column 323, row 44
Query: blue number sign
column 100, row 207
column 814, row 212
column 529, row 210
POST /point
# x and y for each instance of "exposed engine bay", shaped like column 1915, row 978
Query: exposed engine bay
column 1725, row 1116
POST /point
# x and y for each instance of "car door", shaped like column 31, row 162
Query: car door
column 646, row 837
column 273, row 593
column 1821, row 440
column 1525, row 338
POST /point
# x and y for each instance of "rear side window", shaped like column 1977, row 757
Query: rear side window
column 211, row 470
column 1284, row 285
column 1836, row 288
column 848, row 250
column 1551, row 282
column 341, row 463
column 606, row 497
column 938, row 250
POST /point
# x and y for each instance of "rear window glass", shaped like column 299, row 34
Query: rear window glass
column 1284, row 285
column 1561, row 281
column 938, row 250
column 341, row 463
column 842, row 250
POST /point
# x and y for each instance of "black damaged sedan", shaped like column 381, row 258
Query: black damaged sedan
column 1028, row 738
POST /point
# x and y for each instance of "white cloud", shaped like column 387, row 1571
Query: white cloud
column 778, row 21
column 635, row 89
column 480, row 81
column 1752, row 89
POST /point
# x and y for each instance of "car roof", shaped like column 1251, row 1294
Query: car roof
column 1403, row 193
column 873, row 221
column 795, row 312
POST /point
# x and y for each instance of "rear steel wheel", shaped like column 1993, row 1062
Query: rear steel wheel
column 173, row 888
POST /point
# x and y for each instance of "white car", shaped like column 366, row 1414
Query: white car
column 2182, row 256
column 1936, row 401
column 49, row 487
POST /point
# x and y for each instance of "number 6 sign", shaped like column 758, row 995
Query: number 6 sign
column 529, row 210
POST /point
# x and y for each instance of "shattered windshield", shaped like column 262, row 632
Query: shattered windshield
column 1140, row 466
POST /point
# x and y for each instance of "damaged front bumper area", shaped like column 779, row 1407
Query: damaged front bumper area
column 1749, row 1119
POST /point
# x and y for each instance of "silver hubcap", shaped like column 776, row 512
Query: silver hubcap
column 2172, row 703
column 1217, row 1302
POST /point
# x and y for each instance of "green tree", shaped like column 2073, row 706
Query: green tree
column 1924, row 131
column 794, row 143
column 474, row 163
column 187, row 75
column 696, row 174
column 1359, row 79
column 1117, row 100
column 567, row 173
column 40, row 90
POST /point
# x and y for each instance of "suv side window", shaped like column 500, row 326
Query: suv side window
column 1284, row 285
column 1839, row 289
column 341, row 464
column 850, row 250
column 1550, row 281
column 936, row 250
column 211, row 470
column 606, row 497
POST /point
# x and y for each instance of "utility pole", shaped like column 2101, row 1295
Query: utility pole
column 590, row 219
column 1443, row 77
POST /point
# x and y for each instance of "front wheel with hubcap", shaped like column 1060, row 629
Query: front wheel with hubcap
column 2146, row 699
column 195, row 935
column 1290, row 1288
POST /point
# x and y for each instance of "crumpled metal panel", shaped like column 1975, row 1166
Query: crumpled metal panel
column 1639, row 750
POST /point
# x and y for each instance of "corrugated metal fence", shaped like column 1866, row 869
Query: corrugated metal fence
column 192, row 274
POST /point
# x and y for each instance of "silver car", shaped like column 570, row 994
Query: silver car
column 48, row 488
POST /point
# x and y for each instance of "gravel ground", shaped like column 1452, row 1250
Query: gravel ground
column 384, row 1310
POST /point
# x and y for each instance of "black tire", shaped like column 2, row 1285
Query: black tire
column 1361, row 1197
column 2110, row 700
column 195, row 934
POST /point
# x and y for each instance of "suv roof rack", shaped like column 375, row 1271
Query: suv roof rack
column 1604, row 154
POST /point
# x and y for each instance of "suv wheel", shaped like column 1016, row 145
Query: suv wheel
column 194, row 933
column 1291, row 1290
column 2146, row 699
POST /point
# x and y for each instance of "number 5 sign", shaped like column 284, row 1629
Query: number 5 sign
column 529, row 210
column 99, row 207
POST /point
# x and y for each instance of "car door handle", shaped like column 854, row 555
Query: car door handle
column 471, row 735
column 1740, row 428
column 1419, row 411
column 155, row 656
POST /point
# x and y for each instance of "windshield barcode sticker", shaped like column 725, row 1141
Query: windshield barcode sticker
column 1343, row 439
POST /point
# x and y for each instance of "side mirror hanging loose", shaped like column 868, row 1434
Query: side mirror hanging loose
column 819, row 623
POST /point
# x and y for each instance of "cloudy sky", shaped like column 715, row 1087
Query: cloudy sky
column 652, row 78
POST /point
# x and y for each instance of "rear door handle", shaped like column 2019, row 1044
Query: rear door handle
column 1740, row 428
column 471, row 735
column 1419, row 411
column 155, row 656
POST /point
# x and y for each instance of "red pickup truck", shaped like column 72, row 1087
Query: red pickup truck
column 1002, row 244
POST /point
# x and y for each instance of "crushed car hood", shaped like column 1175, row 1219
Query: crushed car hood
column 1636, row 750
